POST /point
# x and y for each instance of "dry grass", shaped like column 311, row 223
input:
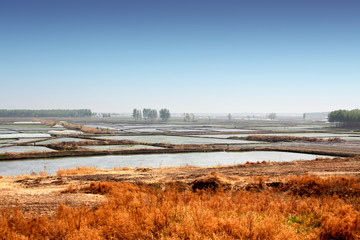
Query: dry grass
column 79, row 171
column 122, row 168
column 143, row 212
column 32, row 174
column 315, row 186
column 46, row 122
column 14, row 154
column 86, row 129
column 77, row 127
column 70, row 146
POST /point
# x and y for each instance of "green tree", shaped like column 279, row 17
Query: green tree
column 229, row 116
column 146, row 113
column 187, row 117
column 345, row 118
column 153, row 114
column 150, row 114
column 272, row 116
column 164, row 114
column 136, row 114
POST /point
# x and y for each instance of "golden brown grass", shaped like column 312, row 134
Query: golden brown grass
column 122, row 168
column 143, row 212
column 78, row 171
column 86, row 129
column 77, row 127
column 27, row 152
column 69, row 146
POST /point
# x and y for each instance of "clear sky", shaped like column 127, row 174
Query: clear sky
column 184, row 55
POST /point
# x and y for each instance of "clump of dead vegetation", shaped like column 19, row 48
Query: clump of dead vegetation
column 87, row 129
column 69, row 146
column 73, row 126
column 132, row 211
column 10, row 155
column 273, row 138
column 79, row 171
column 345, row 187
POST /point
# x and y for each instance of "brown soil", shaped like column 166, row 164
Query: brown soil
column 35, row 194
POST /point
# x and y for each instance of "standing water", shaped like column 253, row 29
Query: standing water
column 12, row 168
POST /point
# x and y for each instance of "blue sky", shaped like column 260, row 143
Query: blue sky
column 188, row 56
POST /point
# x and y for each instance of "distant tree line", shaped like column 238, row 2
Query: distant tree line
column 46, row 113
column 189, row 117
column 345, row 118
column 151, row 114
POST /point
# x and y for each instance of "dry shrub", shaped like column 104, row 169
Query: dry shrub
column 143, row 212
column 164, row 145
column 64, row 146
column 192, row 147
column 340, row 223
column 99, row 188
column 335, row 139
column 122, row 168
column 86, row 129
column 70, row 146
column 47, row 122
column 187, row 166
column 143, row 169
column 257, row 163
column 213, row 182
column 24, row 153
column 107, row 142
column 316, row 186
column 71, row 189
column 77, row 127
column 256, row 183
column 94, row 188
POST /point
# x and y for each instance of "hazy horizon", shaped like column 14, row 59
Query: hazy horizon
column 187, row 56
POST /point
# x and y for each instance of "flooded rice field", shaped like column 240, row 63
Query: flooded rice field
column 19, row 138
column 21, row 149
column 176, row 139
column 11, row 168
column 290, row 128
column 25, row 135
column 166, row 128
column 344, row 136
column 7, row 132
column 24, row 131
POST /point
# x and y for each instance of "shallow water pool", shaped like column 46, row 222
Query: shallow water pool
column 143, row 160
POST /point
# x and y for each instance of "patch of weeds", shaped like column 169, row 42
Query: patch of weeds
column 305, row 222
